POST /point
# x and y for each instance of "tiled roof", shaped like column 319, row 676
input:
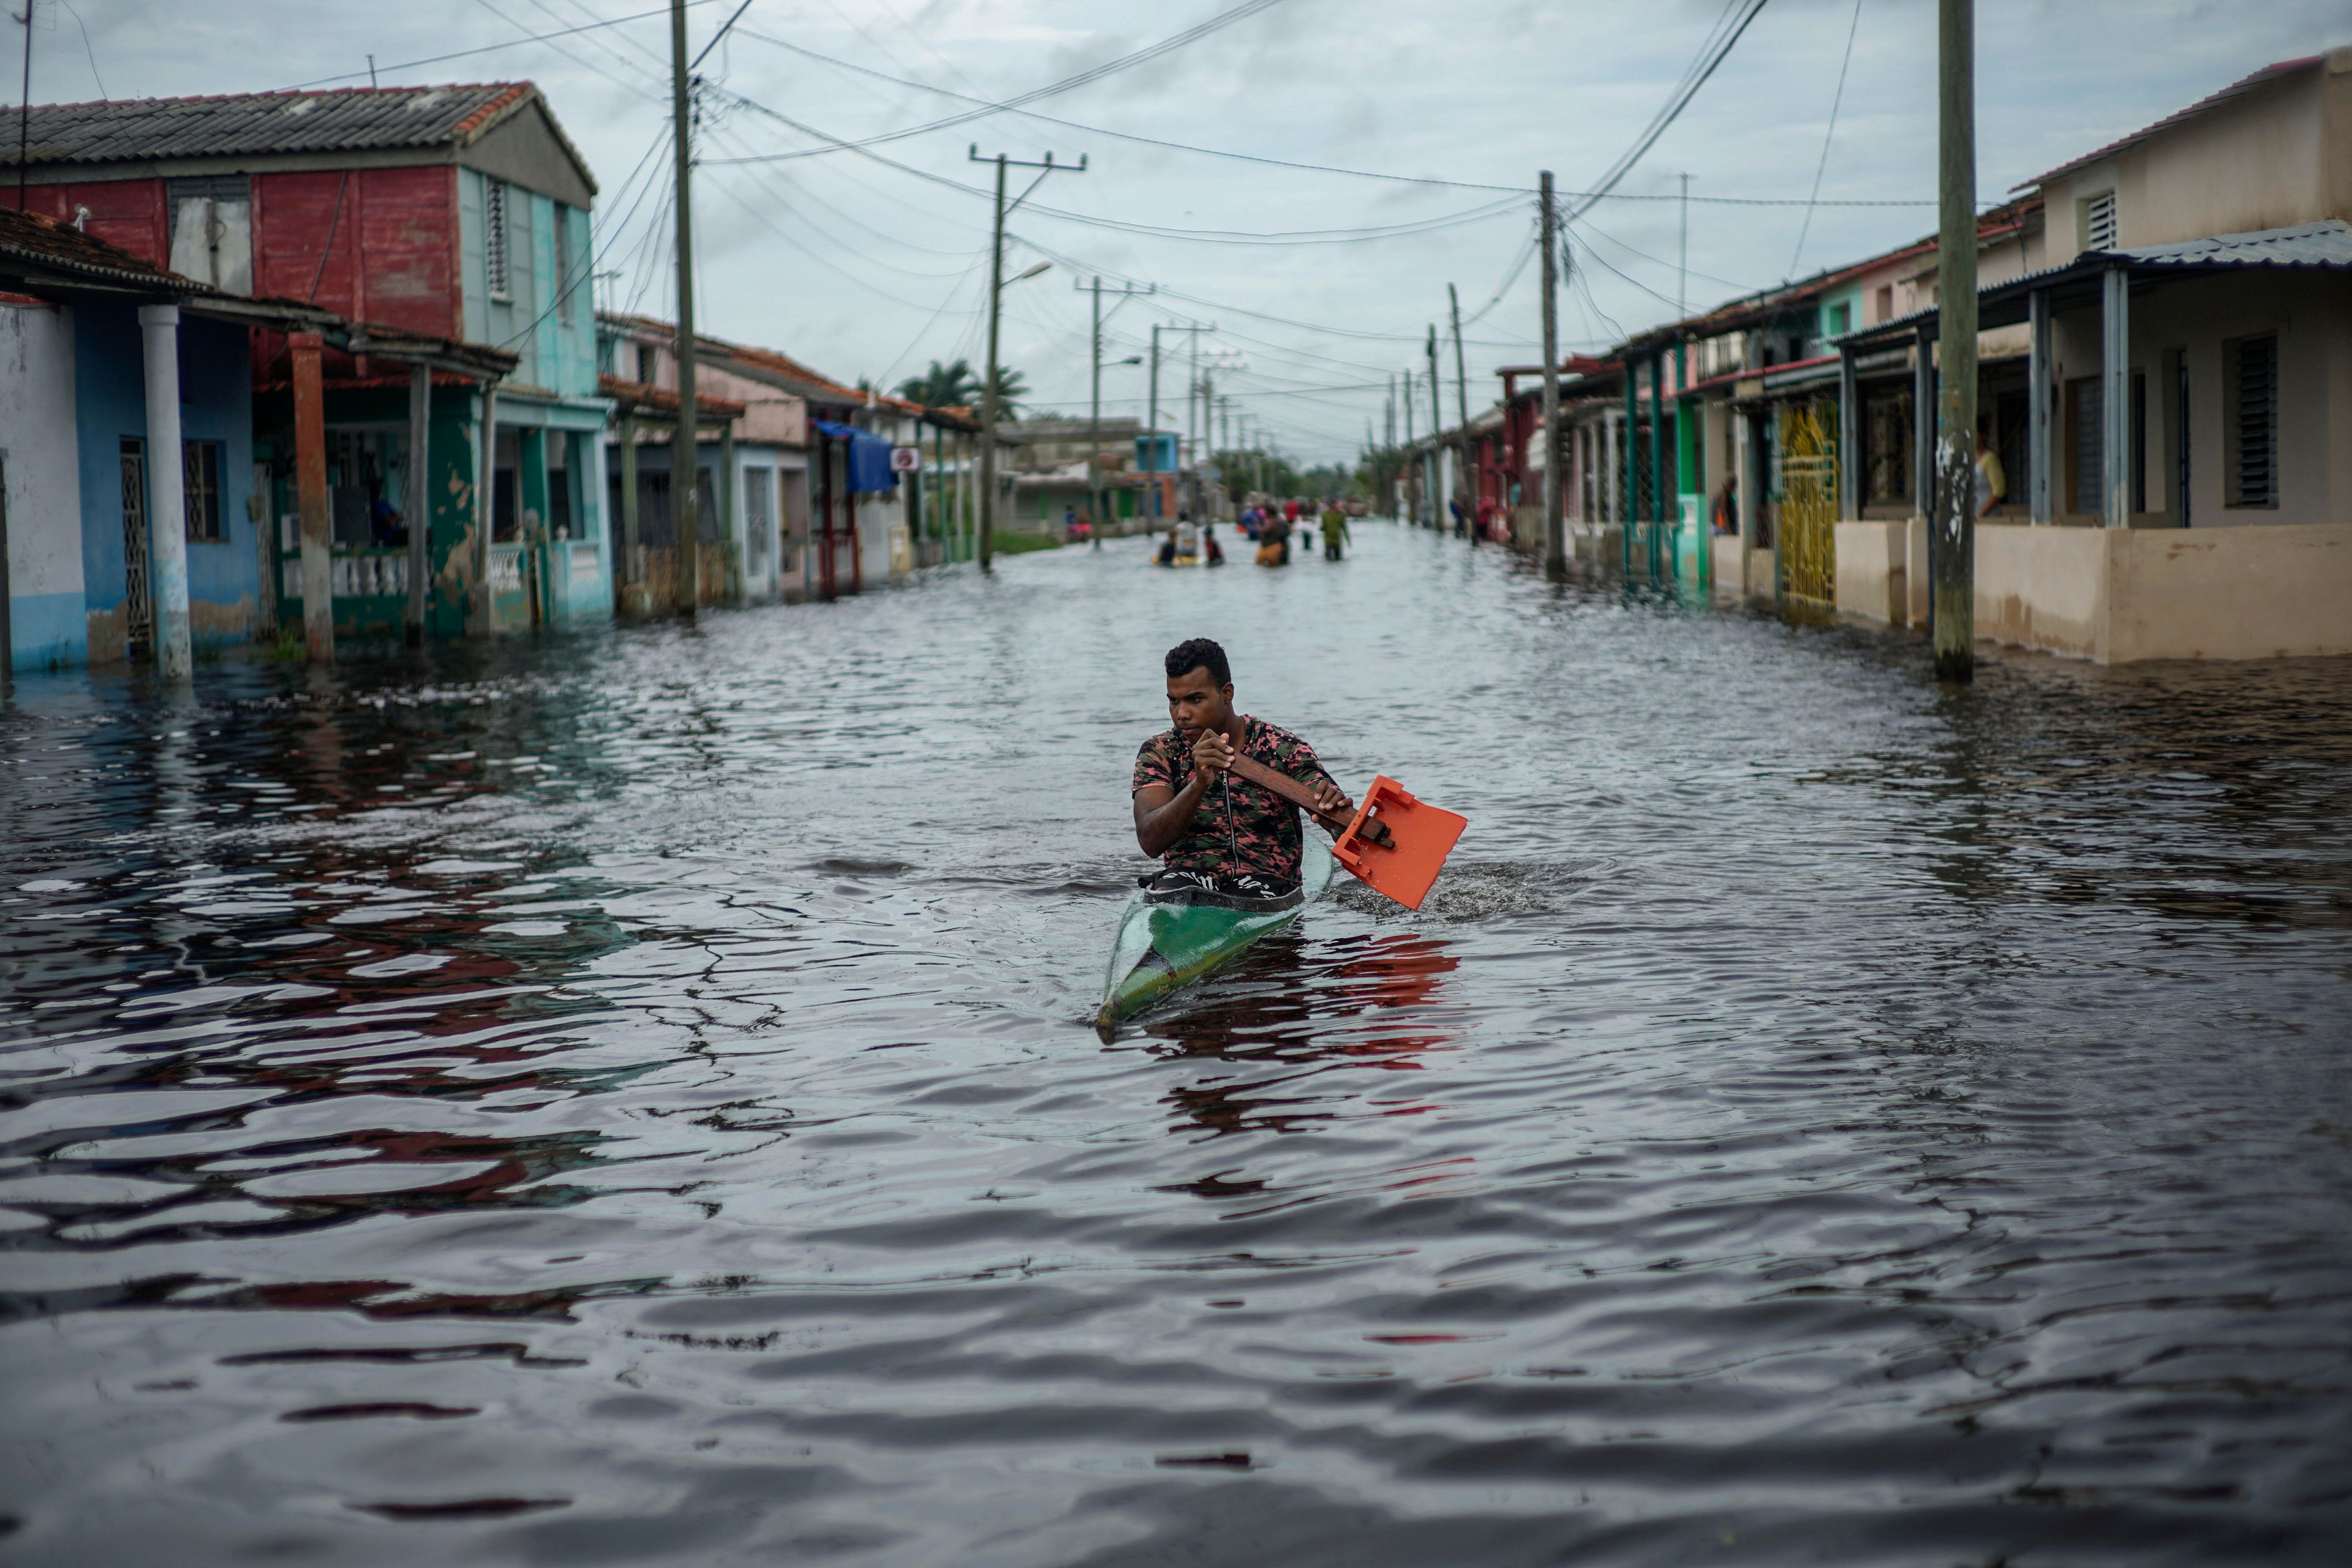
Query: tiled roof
column 337, row 120
column 2238, row 88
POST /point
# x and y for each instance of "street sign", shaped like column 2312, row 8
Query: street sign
column 906, row 459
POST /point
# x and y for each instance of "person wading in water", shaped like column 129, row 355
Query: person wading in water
column 1212, row 831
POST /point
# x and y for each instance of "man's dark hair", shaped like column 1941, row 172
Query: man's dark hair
column 1199, row 653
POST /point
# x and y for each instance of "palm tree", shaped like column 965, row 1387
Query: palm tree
column 1011, row 387
column 943, row 386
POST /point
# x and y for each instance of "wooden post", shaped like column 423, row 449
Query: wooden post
column 310, row 495
column 1951, row 530
column 1629, row 435
column 1849, row 440
column 419, row 499
column 1658, row 490
column 1555, row 527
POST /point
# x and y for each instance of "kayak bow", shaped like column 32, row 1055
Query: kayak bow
column 1166, row 943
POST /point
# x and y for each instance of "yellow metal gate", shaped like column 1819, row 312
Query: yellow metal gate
column 1809, row 502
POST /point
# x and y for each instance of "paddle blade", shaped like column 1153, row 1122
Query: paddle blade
column 1421, row 836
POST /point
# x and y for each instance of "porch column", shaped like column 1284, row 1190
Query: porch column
column 2114, row 395
column 1923, row 424
column 531, row 509
column 310, row 497
column 1632, row 473
column 1658, row 488
column 628, row 564
column 167, row 503
column 485, row 511
column 731, row 526
column 2041, row 480
column 418, row 501
column 1849, row 444
column 1752, row 490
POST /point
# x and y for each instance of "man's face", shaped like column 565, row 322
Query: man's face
column 1196, row 703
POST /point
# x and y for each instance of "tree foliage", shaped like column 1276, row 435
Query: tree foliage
column 958, row 385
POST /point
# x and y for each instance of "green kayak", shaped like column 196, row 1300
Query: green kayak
column 1167, row 943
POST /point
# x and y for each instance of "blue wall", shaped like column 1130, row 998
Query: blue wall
column 215, row 404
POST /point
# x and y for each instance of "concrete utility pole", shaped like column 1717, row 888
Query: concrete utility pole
column 1951, row 529
column 988, row 399
column 1555, row 531
column 1151, row 430
column 1094, row 418
column 1462, row 401
column 684, row 465
column 1436, row 428
column 1406, row 470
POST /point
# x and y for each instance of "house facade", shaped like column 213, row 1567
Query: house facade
column 459, row 214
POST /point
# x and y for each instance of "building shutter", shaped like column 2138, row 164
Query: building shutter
column 2253, row 422
column 2099, row 222
column 494, row 237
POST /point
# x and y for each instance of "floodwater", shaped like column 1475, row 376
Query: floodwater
column 631, row 1098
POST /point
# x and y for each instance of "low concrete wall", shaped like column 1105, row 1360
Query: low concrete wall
column 1764, row 575
column 2264, row 592
column 2043, row 588
column 1872, row 581
column 1729, row 589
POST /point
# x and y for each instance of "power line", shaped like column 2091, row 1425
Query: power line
column 808, row 53
column 1711, row 56
column 1246, row 9
column 492, row 49
column 1823, row 167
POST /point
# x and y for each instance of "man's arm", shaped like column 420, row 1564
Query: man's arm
column 1161, row 814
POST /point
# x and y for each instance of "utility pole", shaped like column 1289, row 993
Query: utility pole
column 989, row 397
column 1093, row 419
column 1436, row 428
column 1682, row 257
column 1151, row 431
column 1555, row 531
column 1462, row 402
column 1951, row 533
column 684, row 467
column 1406, row 469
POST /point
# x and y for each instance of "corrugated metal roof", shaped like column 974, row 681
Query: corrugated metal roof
column 31, row 239
column 2237, row 89
column 2327, row 243
column 341, row 120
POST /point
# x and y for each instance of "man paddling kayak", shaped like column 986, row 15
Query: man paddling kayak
column 1213, row 831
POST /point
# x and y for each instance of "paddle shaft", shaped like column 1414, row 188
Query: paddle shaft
column 1300, row 796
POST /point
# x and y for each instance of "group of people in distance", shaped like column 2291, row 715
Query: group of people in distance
column 1271, row 525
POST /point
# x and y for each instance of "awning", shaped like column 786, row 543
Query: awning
column 869, row 458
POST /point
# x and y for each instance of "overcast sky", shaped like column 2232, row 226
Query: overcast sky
column 864, row 269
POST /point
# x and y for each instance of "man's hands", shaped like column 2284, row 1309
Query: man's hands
column 1331, row 801
column 1212, row 755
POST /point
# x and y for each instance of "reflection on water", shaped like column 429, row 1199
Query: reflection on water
column 630, row 1098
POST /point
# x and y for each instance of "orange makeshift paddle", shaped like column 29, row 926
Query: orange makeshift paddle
column 1394, row 844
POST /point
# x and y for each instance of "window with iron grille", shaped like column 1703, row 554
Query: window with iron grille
column 2087, row 446
column 200, row 466
column 494, row 236
column 2249, row 366
column 2099, row 222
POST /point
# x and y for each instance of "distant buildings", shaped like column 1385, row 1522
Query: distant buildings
column 2166, row 346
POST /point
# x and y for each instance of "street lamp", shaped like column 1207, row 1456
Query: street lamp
column 1024, row 277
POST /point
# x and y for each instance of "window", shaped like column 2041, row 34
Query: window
column 494, row 237
column 2250, row 371
column 1839, row 320
column 2084, row 454
column 649, row 358
column 200, row 460
column 1886, row 302
column 564, row 277
column 212, row 230
column 2099, row 221
column 1886, row 446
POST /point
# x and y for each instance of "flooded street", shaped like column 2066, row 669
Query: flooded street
column 632, row 1098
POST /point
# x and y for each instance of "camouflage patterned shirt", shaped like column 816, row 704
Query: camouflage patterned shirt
column 1238, row 829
